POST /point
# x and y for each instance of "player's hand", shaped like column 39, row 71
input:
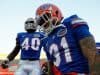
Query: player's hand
column 5, row 64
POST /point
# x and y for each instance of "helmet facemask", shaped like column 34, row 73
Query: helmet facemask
column 47, row 22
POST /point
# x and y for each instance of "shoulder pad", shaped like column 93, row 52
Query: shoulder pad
column 78, row 20
column 39, row 34
column 69, row 19
column 21, row 33
column 74, row 19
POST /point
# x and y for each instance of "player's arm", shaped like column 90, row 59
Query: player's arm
column 50, row 68
column 11, row 56
column 88, row 47
column 86, row 40
column 14, row 52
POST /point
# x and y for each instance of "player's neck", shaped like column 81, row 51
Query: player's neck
column 31, row 31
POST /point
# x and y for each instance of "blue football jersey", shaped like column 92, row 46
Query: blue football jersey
column 63, row 45
column 30, row 44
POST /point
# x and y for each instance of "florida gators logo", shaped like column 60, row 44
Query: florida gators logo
column 62, row 32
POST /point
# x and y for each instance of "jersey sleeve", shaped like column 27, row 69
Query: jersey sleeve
column 81, row 32
column 80, row 28
column 77, row 22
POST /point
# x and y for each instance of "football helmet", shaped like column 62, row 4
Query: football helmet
column 48, row 16
column 30, row 24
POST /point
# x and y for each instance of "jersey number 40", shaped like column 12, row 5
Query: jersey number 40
column 34, row 43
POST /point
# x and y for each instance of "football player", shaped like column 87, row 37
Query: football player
column 70, row 43
column 29, row 43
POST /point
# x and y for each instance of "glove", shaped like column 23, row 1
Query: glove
column 5, row 64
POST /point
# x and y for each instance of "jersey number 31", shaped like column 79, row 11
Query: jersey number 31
column 66, row 52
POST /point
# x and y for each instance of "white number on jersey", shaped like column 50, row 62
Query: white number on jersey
column 54, row 49
column 35, row 43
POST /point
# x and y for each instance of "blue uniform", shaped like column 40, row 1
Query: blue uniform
column 98, row 48
column 63, row 45
column 30, row 45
